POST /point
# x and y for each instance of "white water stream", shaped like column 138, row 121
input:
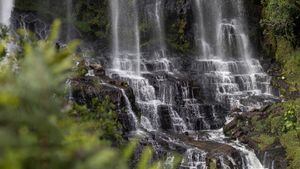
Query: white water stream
column 252, row 162
column 6, row 7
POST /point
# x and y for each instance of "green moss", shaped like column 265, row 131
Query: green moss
column 289, row 59
column 177, row 39
column 291, row 70
column 212, row 164
column 284, row 120
column 280, row 23
column 264, row 140
column 283, row 49
column 178, row 28
column 291, row 141
column 276, row 124
column 3, row 41
column 259, row 126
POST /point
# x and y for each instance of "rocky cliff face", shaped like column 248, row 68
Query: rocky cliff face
column 179, row 19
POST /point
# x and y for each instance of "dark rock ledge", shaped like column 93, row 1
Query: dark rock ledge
column 86, row 88
column 217, row 154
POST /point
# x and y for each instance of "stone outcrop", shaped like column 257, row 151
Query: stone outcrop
column 86, row 88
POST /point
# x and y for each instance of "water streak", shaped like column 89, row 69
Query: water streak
column 126, row 41
column 129, row 109
column 6, row 7
column 160, row 32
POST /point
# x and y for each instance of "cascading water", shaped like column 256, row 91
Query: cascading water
column 127, row 60
column 6, row 7
column 114, row 6
column 195, row 97
column 225, row 53
column 69, row 18
column 126, row 41
column 160, row 32
column 130, row 111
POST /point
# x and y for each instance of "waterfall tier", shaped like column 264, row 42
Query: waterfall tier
column 178, row 95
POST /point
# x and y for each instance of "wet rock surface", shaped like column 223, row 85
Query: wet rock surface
column 241, row 128
column 206, row 152
column 86, row 88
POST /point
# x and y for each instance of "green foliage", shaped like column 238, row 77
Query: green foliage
column 279, row 17
column 290, row 119
column 3, row 32
column 283, row 50
column 282, row 123
column 259, row 126
column 177, row 39
column 29, row 103
column 291, row 141
column 280, row 21
column 3, row 41
column 264, row 140
column 178, row 27
column 212, row 164
column 92, row 18
column 291, row 71
column 289, row 59
column 102, row 117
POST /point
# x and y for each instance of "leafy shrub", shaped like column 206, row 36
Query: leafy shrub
column 103, row 118
column 279, row 17
column 290, row 119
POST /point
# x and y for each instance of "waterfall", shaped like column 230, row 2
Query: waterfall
column 115, row 32
column 250, row 159
column 126, row 41
column 194, row 159
column 137, row 39
column 160, row 32
column 225, row 52
column 131, row 115
column 6, row 7
column 126, row 62
column 198, row 94
column 204, row 36
column 160, row 57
